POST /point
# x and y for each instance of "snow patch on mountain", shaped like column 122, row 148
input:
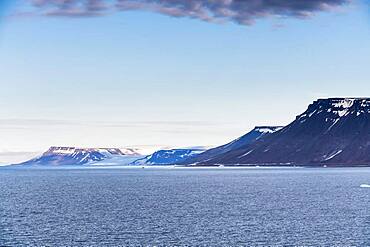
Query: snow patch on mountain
column 267, row 129
column 331, row 156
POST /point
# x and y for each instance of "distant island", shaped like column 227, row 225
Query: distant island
column 76, row 156
column 331, row 132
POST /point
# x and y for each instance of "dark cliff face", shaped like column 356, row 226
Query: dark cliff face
column 331, row 132
column 243, row 141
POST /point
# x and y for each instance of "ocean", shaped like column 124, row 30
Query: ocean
column 185, row 207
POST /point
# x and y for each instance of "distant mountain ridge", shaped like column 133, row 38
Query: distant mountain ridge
column 62, row 156
column 169, row 156
column 246, row 139
column 331, row 132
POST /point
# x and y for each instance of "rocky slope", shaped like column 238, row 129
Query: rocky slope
column 243, row 141
column 331, row 132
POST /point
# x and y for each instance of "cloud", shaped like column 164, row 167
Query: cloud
column 71, row 8
column 244, row 12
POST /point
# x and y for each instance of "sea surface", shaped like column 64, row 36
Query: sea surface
column 185, row 207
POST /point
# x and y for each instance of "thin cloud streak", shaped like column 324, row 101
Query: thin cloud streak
column 25, row 123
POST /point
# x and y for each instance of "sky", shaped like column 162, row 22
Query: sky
column 153, row 74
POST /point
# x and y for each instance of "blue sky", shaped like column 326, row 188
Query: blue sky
column 140, row 78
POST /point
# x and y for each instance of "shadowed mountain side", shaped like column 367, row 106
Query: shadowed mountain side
column 250, row 137
column 333, row 132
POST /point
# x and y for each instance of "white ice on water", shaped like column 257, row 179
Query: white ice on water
column 365, row 185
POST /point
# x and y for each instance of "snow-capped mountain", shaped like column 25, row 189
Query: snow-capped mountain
column 246, row 139
column 332, row 132
column 168, row 157
column 61, row 156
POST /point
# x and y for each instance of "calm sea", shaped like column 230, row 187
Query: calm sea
column 184, row 207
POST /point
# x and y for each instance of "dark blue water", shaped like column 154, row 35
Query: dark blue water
column 209, row 207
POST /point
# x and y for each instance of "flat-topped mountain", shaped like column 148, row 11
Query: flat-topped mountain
column 246, row 139
column 332, row 132
column 59, row 156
